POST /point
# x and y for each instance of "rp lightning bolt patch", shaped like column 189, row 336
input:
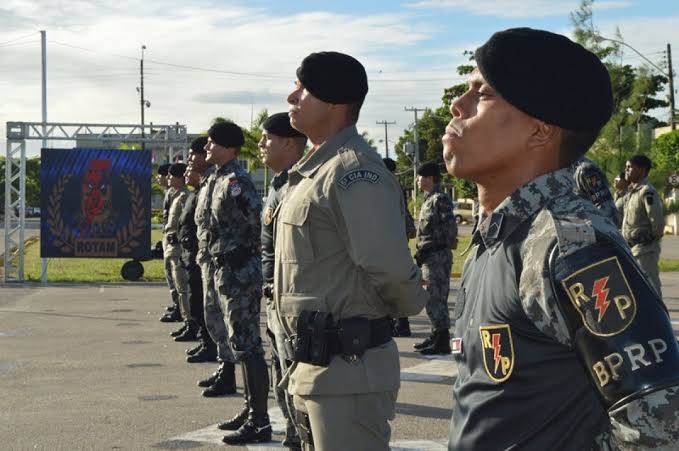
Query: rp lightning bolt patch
column 602, row 296
column 498, row 351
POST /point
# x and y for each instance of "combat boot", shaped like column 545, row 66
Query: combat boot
column 181, row 330
column 292, row 440
column 171, row 317
column 257, row 428
column 440, row 344
column 203, row 355
column 195, row 349
column 233, row 424
column 424, row 344
column 190, row 334
column 225, row 383
column 212, row 378
column 402, row 328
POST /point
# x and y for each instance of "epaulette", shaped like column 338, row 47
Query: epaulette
column 572, row 233
column 348, row 157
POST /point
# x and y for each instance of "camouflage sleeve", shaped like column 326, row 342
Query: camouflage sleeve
column 250, row 205
column 654, row 210
column 447, row 219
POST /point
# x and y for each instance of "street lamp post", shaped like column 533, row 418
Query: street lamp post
column 669, row 74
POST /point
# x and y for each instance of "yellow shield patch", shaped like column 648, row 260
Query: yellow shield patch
column 602, row 296
column 498, row 351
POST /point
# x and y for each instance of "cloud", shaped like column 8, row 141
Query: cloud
column 515, row 8
column 240, row 97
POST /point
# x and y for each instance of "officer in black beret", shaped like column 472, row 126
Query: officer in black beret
column 436, row 236
column 342, row 266
column 172, row 311
column 553, row 314
column 281, row 146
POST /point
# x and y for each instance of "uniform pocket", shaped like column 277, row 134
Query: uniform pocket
column 296, row 246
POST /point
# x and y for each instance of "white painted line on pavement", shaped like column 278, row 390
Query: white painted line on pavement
column 435, row 370
column 419, row 445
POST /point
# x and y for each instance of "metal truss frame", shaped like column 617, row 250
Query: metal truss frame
column 170, row 136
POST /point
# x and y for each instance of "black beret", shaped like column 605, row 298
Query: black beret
column 429, row 170
column 549, row 77
column 226, row 134
column 334, row 77
column 390, row 164
column 163, row 169
column 198, row 144
column 178, row 169
column 279, row 124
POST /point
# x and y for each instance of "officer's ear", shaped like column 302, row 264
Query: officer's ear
column 544, row 135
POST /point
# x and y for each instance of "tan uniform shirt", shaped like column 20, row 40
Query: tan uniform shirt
column 172, row 226
column 341, row 248
column 643, row 218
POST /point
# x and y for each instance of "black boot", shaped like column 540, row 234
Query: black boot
column 192, row 351
column 225, row 383
column 190, row 334
column 207, row 382
column 402, row 328
column 440, row 344
column 181, row 330
column 233, row 424
column 171, row 317
column 257, row 428
column 292, row 440
column 424, row 344
column 203, row 355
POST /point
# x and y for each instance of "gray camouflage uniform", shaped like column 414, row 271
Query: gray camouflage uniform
column 643, row 226
column 436, row 232
column 235, row 248
column 170, row 194
column 591, row 183
column 173, row 252
column 214, row 317
column 519, row 351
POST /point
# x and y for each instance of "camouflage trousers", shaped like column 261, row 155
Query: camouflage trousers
column 170, row 281
column 436, row 272
column 279, row 366
column 240, row 294
column 648, row 258
column 214, row 316
column 180, row 277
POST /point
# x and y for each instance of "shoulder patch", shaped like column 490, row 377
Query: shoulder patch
column 268, row 216
column 595, row 288
column 234, row 187
column 348, row 158
column 358, row 175
column 573, row 233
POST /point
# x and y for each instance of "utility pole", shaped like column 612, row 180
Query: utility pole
column 142, row 102
column 386, row 138
column 670, row 76
column 416, row 158
column 43, row 45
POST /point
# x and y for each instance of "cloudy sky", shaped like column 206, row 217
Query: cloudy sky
column 208, row 58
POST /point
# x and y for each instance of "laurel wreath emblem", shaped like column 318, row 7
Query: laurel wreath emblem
column 127, row 237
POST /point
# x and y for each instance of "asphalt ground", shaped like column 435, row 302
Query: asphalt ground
column 91, row 367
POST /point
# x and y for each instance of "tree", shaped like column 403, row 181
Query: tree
column 664, row 153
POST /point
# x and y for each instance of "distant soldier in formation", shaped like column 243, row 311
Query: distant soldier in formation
column 235, row 246
column 173, row 249
column 436, row 236
column 643, row 221
column 281, row 146
column 172, row 312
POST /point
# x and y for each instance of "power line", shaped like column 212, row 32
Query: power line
column 18, row 39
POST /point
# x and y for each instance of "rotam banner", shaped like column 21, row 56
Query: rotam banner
column 95, row 203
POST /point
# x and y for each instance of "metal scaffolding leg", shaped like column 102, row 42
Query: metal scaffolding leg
column 15, row 193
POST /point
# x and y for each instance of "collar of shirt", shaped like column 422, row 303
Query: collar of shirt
column 231, row 166
column 203, row 178
column 521, row 205
column 308, row 165
column 436, row 189
column 279, row 180
column 637, row 186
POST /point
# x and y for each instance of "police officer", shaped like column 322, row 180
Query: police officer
column 436, row 236
column 187, row 235
column 553, row 314
column 223, row 381
column 235, row 247
column 281, row 146
column 342, row 266
column 591, row 183
column 643, row 218
column 173, row 249
column 621, row 186
column 172, row 312
column 401, row 326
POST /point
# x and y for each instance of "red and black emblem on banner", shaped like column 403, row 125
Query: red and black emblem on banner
column 601, row 294
column 498, row 351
